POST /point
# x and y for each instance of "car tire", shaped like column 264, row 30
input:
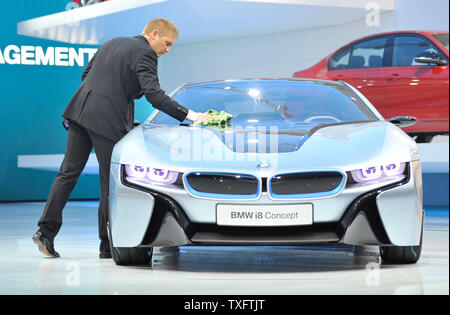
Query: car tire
column 424, row 138
column 401, row 254
column 130, row 256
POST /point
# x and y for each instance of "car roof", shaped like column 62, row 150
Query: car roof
column 412, row 31
column 397, row 32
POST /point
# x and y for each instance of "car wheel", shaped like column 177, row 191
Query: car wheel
column 133, row 256
column 401, row 254
column 424, row 138
column 130, row 256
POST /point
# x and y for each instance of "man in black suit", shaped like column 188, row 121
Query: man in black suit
column 101, row 112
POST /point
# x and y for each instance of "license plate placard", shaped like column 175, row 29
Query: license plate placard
column 264, row 215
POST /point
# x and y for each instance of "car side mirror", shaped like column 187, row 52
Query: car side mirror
column 403, row 121
column 428, row 57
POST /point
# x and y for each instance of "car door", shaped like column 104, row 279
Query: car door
column 363, row 66
column 415, row 89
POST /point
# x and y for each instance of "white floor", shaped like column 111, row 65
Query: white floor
column 205, row 270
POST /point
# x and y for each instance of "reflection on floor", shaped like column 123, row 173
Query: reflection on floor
column 207, row 270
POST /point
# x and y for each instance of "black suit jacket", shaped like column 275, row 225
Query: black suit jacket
column 122, row 70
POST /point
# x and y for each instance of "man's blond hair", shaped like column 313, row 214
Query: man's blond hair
column 164, row 26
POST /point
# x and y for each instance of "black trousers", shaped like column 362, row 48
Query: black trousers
column 80, row 142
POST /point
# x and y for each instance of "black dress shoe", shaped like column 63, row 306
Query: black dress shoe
column 105, row 255
column 45, row 245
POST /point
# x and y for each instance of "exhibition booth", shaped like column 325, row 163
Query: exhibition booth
column 262, row 64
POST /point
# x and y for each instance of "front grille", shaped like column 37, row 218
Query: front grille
column 223, row 185
column 306, row 184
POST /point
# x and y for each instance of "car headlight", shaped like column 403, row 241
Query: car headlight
column 378, row 172
column 150, row 174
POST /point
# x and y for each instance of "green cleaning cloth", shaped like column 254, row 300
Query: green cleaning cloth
column 221, row 120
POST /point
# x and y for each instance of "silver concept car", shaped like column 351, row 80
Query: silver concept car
column 301, row 162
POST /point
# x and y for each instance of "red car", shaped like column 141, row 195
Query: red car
column 402, row 73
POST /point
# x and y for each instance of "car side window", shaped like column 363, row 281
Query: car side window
column 340, row 60
column 406, row 48
column 369, row 53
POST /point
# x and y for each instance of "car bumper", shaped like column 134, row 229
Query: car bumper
column 388, row 213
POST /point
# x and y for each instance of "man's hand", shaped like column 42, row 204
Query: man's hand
column 203, row 117
column 198, row 117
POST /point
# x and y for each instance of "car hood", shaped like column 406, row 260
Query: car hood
column 278, row 137
column 266, row 149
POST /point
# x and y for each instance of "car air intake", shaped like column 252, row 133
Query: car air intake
column 306, row 184
column 222, row 185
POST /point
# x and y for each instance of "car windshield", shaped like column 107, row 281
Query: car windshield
column 266, row 101
column 443, row 39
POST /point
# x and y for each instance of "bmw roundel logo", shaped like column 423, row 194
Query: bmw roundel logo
column 264, row 164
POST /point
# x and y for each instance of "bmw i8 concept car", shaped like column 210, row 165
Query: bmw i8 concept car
column 301, row 162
